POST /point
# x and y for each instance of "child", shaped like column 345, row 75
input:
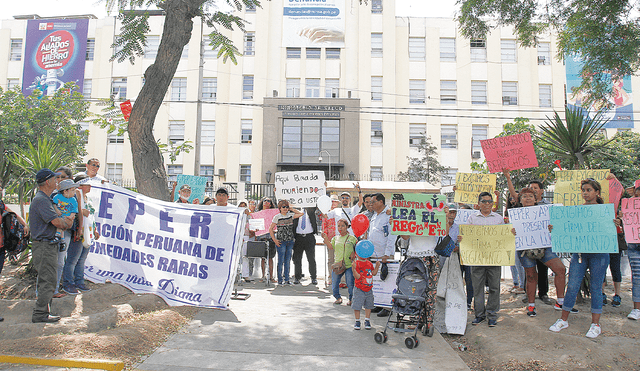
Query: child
column 66, row 202
column 363, row 272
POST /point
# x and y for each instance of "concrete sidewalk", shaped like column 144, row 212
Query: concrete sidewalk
column 293, row 328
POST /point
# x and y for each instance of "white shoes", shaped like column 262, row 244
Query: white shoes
column 559, row 325
column 594, row 331
column 635, row 314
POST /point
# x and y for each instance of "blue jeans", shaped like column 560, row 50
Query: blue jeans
column 597, row 264
column 614, row 265
column 73, row 271
column 285, row 250
column 634, row 261
column 335, row 283
column 517, row 272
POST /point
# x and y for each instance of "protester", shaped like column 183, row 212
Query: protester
column 363, row 272
column 93, row 165
column 267, row 203
column 222, row 196
column 379, row 234
column 183, row 194
column 210, row 201
column 543, row 270
column 66, row 205
column 343, row 247
column 633, row 253
column 283, row 238
column 306, row 228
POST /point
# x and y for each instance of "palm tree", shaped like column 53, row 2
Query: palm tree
column 571, row 140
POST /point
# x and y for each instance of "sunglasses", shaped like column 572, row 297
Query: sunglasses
column 486, row 201
column 284, row 207
column 94, row 165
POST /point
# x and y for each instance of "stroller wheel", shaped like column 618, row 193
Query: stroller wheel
column 410, row 342
column 415, row 338
column 379, row 337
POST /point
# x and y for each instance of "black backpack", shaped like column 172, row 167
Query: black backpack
column 15, row 241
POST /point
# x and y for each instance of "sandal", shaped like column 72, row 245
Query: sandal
column 338, row 301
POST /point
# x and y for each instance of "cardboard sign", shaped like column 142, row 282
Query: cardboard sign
column 493, row 245
column 616, row 189
column 384, row 290
column 532, row 226
column 584, row 229
column 567, row 190
column 636, row 184
column 512, row 152
column 300, row 188
column 266, row 216
column 631, row 219
column 416, row 214
column 469, row 186
column 197, row 184
column 462, row 215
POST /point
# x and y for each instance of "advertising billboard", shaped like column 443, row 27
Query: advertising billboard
column 309, row 23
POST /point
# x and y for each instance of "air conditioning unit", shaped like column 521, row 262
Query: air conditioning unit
column 377, row 133
column 542, row 60
column 222, row 172
column 475, row 154
column 509, row 101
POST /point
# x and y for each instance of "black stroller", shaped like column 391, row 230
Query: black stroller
column 409, row 304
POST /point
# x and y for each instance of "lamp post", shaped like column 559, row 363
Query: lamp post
column 320, row 159
column 268, row 176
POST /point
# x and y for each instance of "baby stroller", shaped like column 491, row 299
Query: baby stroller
column 409, row 304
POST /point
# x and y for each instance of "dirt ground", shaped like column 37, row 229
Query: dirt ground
column 110, row 322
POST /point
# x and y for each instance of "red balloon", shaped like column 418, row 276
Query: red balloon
column 359, row 224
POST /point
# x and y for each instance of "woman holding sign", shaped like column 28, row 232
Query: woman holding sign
column 283, row 238
column 597, row 264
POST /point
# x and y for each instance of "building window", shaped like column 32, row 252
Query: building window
column 12, row 83
column 91, row 49
column 247, row 87
column 119, row 88
column 293, row 53
column 478, row 92
column 84, row 131
column 249, row 43
column 509, row 93
column 293, row 88
column 185, row 52
column 16, row 50
column 478, row 50
column 114, row 172
column 478, row 133
column 376, row 173
column 376, row 6
column 245, row 173
column 417, row 48
column 114, row 138
column 509, row 51
column 208, row 133
column 376, row 87
column 314, row 53
column 313, row 88
column 449, row 136
column 332, row 88
column 86, row 88
column 179, row 89
column 209, row 89
column 151, row 49
column 207, row 171
column 376, row 134
column 173, row 171
column 544, row 54
column 448, row 92
column 176, row 132
column 416, row 91
column 303, row 139
column 417, row 133
column 448, row 177
column 545, row 95
column 447, row 49
column 209, row 53
column 332, row 53
column 246, row 127
column 376, row 45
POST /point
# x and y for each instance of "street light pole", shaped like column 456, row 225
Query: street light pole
column 320, row 159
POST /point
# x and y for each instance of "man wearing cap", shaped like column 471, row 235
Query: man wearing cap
column 43, row 221
column 183, row 194
column 222, row 197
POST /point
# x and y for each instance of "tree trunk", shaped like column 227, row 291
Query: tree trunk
column 148, row 163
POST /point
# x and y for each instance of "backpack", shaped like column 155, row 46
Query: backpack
column 15, row 241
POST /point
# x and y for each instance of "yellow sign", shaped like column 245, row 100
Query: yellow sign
column 469, row 186
column 567, row 190
column 487, row 245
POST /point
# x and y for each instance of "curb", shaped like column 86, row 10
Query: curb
column 64, row 362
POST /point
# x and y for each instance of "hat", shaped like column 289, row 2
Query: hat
column 45, row 174
column 452, row 206
column 185, row 186
column 67, row 184
column 222, row 190
column 345, row 194
column 334, row 198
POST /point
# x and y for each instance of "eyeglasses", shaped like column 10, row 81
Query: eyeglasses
column 486, row 201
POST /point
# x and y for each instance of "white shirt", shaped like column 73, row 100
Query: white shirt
column 308, row 228
column 95, row 180
column 384, row 243
column 338, row 214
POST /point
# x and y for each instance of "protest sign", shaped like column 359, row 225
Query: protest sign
column 384, row 290
column 416, row 214
column 469, row 186
column 186, row 254
column 512, row 152
column 567, row 189
column 197, row 184
column 462, row 215
column 636, row 184
column 583, row 229
column 300, row 188
column 266, row 216
column 532, row 226
column 631, row 219
column 616, row 189
column 487, row 245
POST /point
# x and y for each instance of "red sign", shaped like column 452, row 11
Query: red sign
column 615, row 192
column 55, row 50
column 512, row 152
column 125, row 107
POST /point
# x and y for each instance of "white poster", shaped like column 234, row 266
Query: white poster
column 186, row 254
column 450, row 315
column 319, row 23
column 532, row 226
column 383, row 290
column 300, row 188
column 462, row 215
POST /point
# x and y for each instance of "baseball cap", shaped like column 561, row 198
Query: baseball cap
column 45, row 174
column 185, row 186
column 334, row 198
column 452, row 206
column 345, row 194
column 222, row 190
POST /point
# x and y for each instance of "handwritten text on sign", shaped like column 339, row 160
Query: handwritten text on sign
column 583, row 229
column 417, row 214
column 512, row 152
column 532, row 226
column 487, row 245
column 567, row 190
column 631, row 219
column 300, row 188
column 197, row 184
column 469, row 186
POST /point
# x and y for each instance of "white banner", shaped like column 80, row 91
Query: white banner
column 300, row 188
column 532, row 226
column 319, row 23
column 186, row 254
column 384, row 290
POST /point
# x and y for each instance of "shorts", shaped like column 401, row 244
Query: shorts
column 362, row 299
column 530, row 263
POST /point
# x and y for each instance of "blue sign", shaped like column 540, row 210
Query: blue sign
column 583, row 229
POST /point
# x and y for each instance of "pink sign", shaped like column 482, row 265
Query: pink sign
column 615, row 192
column 266, row 215
column 329, row 227
column 631, row 219
column 512, row 152
column 637, row 184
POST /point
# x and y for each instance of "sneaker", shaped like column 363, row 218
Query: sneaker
column 635, row 314
column 71, row 290
column 367, row 324
column 616, row 301
column 559, row 325
column 559, row 307
column 594, row 331
column 357, row 325
column 314, row 281
column 82, row 288
column 288, row 283
column 478, row 320
column 604, row 299
column 493, row 322
column 531, row 311
column 296, row 282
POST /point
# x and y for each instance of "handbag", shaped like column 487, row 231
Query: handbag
column 445, row 246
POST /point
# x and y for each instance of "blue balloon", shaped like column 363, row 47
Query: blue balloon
column 364, row 249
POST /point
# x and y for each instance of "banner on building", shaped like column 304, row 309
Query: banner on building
column 309, row 23
column 512, row 152
column 470, row 185
column 567, row 189
column 55, row 53
column 584, row 229
column 186, row 254
column 418, row 214
column 300, row 188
